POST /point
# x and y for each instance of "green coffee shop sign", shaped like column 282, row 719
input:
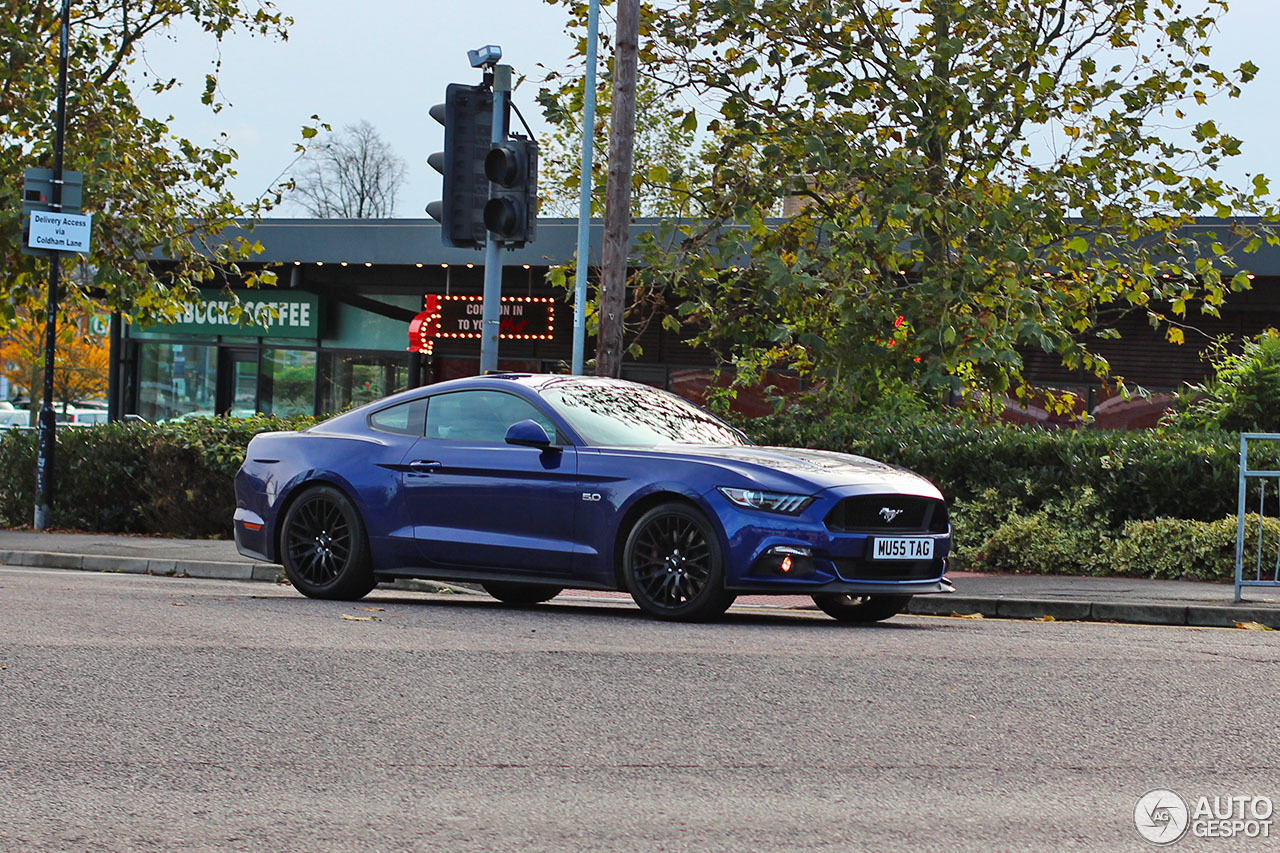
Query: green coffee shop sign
column 297, row 315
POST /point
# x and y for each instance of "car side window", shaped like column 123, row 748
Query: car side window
column 481, row 416
column 401, row 419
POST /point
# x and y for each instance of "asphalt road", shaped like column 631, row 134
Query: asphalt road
column 142, row 713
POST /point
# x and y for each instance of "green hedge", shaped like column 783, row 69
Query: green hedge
column 172, row 479
column 1148, row 503
column 1151, row 503
column 1139, row 474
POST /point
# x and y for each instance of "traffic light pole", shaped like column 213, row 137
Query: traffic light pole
column 584, row 190
column 48, row 437
column 491, row 319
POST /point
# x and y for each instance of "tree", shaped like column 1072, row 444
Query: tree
column 666, row 165
column 353, row 174
column 1241, row 395
column 80, row 368
column 148, row 190
column 666, row 161
column 979, row 176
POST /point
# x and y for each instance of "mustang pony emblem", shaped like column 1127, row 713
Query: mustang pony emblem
column 889, row 514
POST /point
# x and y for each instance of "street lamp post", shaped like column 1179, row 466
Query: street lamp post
column 48, row 437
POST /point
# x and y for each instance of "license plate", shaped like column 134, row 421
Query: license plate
column 902, row 548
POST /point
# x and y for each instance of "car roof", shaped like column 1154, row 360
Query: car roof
column 532, row 383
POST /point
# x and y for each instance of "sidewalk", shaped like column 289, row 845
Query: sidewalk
column 992, row 596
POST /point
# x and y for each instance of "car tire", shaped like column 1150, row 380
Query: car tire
column 862, row 609
column 673, row 566
column 521, row 593
column 324, row 547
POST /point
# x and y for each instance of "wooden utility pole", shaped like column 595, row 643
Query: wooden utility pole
column 617, row 207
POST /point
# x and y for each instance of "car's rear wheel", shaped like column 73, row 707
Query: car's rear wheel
column 324, row 548
column 861, row 608
column 672, row 565
column 521, row 593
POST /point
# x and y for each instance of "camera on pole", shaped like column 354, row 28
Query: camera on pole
column 467, row 116
column 511, row 214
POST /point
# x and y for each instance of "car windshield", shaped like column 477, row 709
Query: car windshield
column 616, row 415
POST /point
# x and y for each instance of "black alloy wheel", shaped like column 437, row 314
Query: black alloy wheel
column 862, row 609
column 673, row 566
column 323, row 545
column 521, row 593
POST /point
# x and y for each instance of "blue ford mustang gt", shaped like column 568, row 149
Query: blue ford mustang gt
column 529, row 484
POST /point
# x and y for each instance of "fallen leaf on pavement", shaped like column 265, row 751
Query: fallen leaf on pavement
column 178, row 603
column 351, row 618
column 1045, row 618
column 374, row 609
column 1253, row 626
column 967, row 615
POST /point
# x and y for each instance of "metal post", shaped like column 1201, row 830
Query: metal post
column 1241, row 499
column 584, row 195
column 48, row 437
column 115, row 364
column 415, row 369
column 491, row 317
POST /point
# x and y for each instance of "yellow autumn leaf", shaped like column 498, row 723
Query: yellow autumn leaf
column 351, row 618
column 1253, row 626
column 1045, row 618
column 967, row 615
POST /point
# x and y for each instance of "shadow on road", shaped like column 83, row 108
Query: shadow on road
column 623, row 609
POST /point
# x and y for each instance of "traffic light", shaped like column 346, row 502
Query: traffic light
column 467, row 116
column 511, row 213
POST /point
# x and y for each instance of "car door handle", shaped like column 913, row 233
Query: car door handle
column 423, row 466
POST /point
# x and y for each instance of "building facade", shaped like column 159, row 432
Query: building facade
column 349, row 291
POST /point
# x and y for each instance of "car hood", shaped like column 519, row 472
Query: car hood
column 799, row 467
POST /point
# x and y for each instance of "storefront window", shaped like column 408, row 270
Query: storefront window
column 353, row 380
column 287, row 386
column 176, row 380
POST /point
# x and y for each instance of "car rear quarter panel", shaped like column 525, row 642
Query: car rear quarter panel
column 280, row 466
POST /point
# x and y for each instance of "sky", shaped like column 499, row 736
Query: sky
column 384, row 61
column 388, row 62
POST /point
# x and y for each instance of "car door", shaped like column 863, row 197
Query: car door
column 477, row 502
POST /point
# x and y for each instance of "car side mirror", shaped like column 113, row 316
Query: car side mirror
column 528, row 433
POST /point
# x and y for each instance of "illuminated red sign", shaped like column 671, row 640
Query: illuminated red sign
column 522, row 318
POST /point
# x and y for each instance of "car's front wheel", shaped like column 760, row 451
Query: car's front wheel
column 673, row 567
column 521, row 593
column 324, row 548
column 861, row 608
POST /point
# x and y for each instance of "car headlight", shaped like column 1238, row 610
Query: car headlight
column 767, row 501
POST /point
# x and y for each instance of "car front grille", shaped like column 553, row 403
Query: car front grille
column 888, row 570
column 888, row 514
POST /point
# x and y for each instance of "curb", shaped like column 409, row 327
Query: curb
column 1060, row 610
column 144, row 566
column 999, row 607
column 205, row 569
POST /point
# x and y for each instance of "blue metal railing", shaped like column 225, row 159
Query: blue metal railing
column 1262, row 477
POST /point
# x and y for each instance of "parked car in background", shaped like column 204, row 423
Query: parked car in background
column 529, row 484
column 76, row 416
column 12, row 418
